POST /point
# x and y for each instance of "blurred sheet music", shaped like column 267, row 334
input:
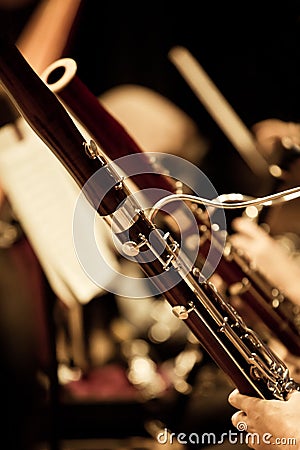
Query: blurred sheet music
column 43, row 196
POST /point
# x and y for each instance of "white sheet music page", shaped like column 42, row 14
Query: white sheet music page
column 43, row 197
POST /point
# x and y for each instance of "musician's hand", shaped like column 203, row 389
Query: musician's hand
column 269, row 422
column 268, row 256
column 259, row 247
column 268, row 131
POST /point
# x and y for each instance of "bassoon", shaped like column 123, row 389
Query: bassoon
column 270, row 304
column 251, row 365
